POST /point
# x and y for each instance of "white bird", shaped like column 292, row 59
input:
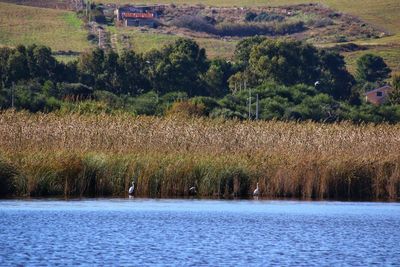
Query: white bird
column 132, row 189
column 256, row 191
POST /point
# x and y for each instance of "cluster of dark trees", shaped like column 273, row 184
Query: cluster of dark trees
column 290, row 79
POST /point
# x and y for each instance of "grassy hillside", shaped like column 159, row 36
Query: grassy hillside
column 61, row 30
column 383, row 13
column 146, row 41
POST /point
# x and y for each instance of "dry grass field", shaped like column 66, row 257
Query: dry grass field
column 101, row 154
column 58, row 29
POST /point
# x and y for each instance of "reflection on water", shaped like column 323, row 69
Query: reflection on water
column 192, row 232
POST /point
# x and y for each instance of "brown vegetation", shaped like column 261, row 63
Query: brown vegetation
column 99, row 155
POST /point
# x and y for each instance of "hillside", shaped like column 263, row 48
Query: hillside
column 382, row 13
column 59, row 29
column 380, row 16
column 62, row 30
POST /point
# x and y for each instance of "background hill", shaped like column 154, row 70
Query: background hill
column 62, row 30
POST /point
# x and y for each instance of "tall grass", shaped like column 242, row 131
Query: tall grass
column 75, row 155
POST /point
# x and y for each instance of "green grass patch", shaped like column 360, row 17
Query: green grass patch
column 65, row 58
column 58, row 29
column 145, row 41
column 391, row 55
column 72, row 20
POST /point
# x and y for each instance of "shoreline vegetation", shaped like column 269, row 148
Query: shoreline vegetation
column 99, row 155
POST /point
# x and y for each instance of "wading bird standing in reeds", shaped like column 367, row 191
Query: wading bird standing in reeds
column 132, row 188
column 256, row 192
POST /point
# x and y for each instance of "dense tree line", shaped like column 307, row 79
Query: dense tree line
column 291, row 79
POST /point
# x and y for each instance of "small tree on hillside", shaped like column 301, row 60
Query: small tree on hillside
column 372, row 68
column 394, row 96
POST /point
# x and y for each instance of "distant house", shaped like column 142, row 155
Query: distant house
column 137, row 15
column 378, row 96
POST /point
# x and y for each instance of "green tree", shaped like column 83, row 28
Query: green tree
column 5, row 53
column 91, row 67
column 371, row 68
column 109, row 77
column 285, row 62
column 42, row 65
column 243, row 50
column 17, row 66
column 217, row 77
column 130, row 75
column 394, row 96
column 335, row 80
column 177, row 67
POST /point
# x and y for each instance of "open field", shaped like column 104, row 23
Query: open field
column 100, row 155
column 391, row 55
column 146, row 41
column 58, row 29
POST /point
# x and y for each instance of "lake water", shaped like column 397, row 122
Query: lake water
column 140, row 232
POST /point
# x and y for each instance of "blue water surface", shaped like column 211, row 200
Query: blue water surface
column 143, row 232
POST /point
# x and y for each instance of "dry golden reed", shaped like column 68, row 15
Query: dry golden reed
column 52, row 154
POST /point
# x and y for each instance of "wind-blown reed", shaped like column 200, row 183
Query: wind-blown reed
column 92, row 155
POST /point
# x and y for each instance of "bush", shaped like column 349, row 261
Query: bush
column 250, row 16
column 200, row 24
column 263, row 16
column 186, row 109
column 7, row 174
column 74, row 91
column 208, row 103
column 194, row 23
column 109, row 98
column 226, row 114
column 323, row 22
column 146, row 104
column 259, row 29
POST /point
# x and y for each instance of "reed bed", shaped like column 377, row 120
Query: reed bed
column 99, row 155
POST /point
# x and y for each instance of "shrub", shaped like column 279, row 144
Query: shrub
column 250, row 16
column 186, row 109
column 7, row 174
column 194, row 23
column 74, row 90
